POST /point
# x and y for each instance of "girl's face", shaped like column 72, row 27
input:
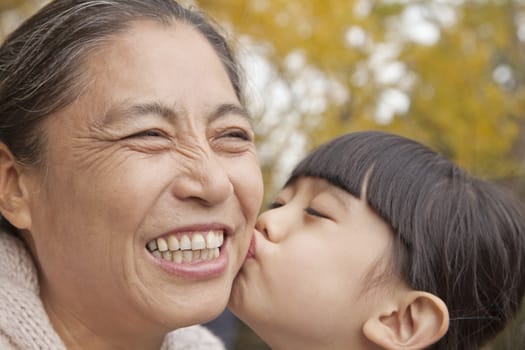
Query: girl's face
column 303, row 284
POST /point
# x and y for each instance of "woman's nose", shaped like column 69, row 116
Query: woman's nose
column 205, row 180
column 273, row 224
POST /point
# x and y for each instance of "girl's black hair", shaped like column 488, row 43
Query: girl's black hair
column 458, row 237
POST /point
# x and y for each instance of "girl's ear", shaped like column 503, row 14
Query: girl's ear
column 14, row 194
column 418, row 320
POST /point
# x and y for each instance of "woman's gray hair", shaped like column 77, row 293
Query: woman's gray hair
column 41, row 62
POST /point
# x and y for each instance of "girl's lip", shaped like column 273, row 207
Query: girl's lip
column 252, row 247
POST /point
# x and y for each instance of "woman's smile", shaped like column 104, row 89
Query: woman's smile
column 194, row 253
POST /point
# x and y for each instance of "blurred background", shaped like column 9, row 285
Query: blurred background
column 449, row 73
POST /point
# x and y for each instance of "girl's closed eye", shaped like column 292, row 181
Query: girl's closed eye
column 313, row 212
column 275, row 205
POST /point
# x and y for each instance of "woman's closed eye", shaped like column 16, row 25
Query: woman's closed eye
column 232, row 140
column 149, row 141
column 147, row 133
column 238, row 134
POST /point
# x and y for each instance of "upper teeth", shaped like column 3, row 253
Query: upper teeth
column 196, row 241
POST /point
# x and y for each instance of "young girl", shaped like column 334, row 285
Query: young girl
column 378, row 242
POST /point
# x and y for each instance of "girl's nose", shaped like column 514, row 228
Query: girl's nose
column 274, row 224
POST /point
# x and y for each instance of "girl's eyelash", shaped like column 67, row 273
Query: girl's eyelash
column 313, row 212
column 274, row 205
column 309, row 210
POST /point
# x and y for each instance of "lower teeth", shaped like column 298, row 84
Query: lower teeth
column 187, row 256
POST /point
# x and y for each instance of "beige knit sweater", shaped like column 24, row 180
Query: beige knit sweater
column 24, row 324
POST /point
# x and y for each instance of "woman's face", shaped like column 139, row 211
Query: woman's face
column 157, row 147
column 304, row 280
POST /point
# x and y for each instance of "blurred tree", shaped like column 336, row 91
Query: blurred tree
column 445, row 73
column 14, row 11
column 9, row 4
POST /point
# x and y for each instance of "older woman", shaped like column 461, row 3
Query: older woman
column 129, row 183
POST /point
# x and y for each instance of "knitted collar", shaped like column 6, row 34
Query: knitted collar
column 24, row 323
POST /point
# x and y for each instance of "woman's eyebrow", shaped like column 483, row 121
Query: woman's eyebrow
column 125, row 111
column 129, row 111
column 229, row 108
